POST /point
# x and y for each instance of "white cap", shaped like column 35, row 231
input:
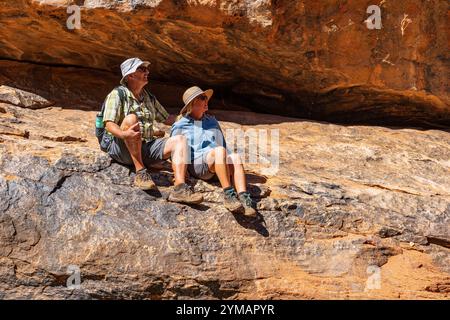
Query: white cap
column 130, row 65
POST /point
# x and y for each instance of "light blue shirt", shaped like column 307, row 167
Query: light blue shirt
column 202, row 135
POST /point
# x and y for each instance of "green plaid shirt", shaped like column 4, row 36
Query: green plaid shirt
column 147, row 111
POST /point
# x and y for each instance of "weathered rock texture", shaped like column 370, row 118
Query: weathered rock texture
column 313, row 59
column 354, row 212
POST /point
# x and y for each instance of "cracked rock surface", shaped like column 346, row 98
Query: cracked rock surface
column 353, row 212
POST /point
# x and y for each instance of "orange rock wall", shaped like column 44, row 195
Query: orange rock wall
column 304, row 58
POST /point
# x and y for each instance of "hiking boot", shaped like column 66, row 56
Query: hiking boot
column 182, row 193
column 247, row 202
column 231, row 202
column 143, row 180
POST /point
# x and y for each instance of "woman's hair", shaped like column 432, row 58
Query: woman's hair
column 187, row 111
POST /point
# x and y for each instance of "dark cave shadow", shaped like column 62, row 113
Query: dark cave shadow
column 251, row 119
column 420, row 126
column 242, row 109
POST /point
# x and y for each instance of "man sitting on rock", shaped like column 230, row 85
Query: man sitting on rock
column 129, row 114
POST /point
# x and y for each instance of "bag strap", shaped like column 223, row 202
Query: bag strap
column 122, row 96
column 151, row 95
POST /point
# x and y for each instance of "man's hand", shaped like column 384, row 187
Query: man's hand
column 132, row 133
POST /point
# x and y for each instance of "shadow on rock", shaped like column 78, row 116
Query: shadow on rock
column 255, row 178
column 155, row 194
column 257, row 223
column 199, row 207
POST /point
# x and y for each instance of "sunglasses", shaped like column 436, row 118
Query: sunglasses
column 202, row 97
column 143, row 69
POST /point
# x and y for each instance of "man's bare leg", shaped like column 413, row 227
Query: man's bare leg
column 133, row 141
column 134, row 145
column 176, row 147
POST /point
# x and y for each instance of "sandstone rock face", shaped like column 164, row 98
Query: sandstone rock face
column 315, row 59
column 353, row 212
column 22, row 98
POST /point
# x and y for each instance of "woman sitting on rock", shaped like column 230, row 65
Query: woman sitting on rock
column 208, row 154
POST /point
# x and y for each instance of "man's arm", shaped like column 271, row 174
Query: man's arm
column 130, row 133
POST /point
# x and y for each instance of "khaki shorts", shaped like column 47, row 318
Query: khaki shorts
column 199, row 168
column 152, row 151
